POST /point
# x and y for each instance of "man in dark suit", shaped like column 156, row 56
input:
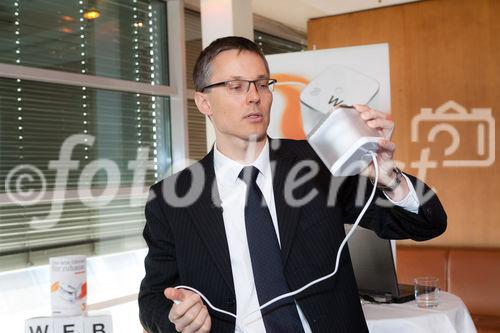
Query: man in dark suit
column 201, row 222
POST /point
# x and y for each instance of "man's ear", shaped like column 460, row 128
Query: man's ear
column 203, row 103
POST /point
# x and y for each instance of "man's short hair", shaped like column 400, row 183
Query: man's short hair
column 203, row 68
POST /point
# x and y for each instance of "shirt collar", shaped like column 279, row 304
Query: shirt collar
column 227, row 170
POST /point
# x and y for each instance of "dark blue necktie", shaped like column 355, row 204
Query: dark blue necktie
column 267, row 264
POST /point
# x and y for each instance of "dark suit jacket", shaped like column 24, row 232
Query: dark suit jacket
column 188, row 245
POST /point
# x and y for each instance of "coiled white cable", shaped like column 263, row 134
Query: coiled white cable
column 239, row 321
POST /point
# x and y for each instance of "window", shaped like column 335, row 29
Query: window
column 127, row 41
column 273, row 44
column 196, row 120
column 192, row 22
column 83, row 129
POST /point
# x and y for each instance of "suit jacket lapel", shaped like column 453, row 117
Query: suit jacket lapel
column 207, row 218
column 288, row 216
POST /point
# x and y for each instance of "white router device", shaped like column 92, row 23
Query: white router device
column 335, row 85
column 335, row 131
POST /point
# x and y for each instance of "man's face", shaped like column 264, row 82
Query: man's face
column 237, row 117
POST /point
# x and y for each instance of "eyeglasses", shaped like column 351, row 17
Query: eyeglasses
column 240, row 87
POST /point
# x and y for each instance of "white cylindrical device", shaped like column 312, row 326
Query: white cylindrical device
column 344, row 141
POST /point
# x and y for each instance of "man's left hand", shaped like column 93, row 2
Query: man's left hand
column 382, row 122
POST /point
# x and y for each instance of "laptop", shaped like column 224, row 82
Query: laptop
column 374, row 268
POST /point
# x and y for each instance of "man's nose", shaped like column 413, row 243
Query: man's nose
column 253, row 94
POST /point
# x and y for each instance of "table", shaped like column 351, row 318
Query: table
column 451, row 315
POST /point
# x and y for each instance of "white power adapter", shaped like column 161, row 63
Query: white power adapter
column 344, row 141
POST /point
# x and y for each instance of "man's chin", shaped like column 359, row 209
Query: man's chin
column 257, row 137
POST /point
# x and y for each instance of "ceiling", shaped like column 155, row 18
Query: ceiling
column 295, row 13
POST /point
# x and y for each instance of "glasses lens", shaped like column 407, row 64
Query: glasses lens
column 237, row 87
column 262, row 85
column 240, row 87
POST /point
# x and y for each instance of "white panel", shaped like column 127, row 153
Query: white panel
column 221, row 18
column 177, row 66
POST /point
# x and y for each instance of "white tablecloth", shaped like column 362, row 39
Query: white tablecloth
column 451, row 315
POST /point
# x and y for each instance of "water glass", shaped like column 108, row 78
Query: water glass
column 426, row 291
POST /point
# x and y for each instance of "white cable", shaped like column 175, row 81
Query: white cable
column 295, row 292
column 339, row 252
column 206, row 300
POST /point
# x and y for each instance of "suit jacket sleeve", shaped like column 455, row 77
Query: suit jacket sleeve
column 384, row 218
column 391, row 221
column 161, row 268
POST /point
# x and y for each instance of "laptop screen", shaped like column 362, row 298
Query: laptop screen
column 372, row 262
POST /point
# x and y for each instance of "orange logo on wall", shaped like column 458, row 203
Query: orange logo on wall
column 291, row 119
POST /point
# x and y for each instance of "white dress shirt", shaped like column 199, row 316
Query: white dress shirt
column 232, row 192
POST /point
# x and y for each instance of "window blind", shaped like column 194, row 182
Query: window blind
column 197, row 132
column 116, row 144
column 119, row 126
column 270, row 44
column 192, row 30
column 127, row 41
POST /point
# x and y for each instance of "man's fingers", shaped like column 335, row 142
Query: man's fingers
column 376, row 119
column 368, row 113
column 361, row 107
column 207, row 325
column 197, row 323
column 188, row 299
column 380, row 123
column 182, row 323
column 184, row 313
column 174, row 294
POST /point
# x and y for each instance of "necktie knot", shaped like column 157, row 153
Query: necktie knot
column 249, row 174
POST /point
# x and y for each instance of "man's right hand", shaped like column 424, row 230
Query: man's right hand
column 190, row 315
